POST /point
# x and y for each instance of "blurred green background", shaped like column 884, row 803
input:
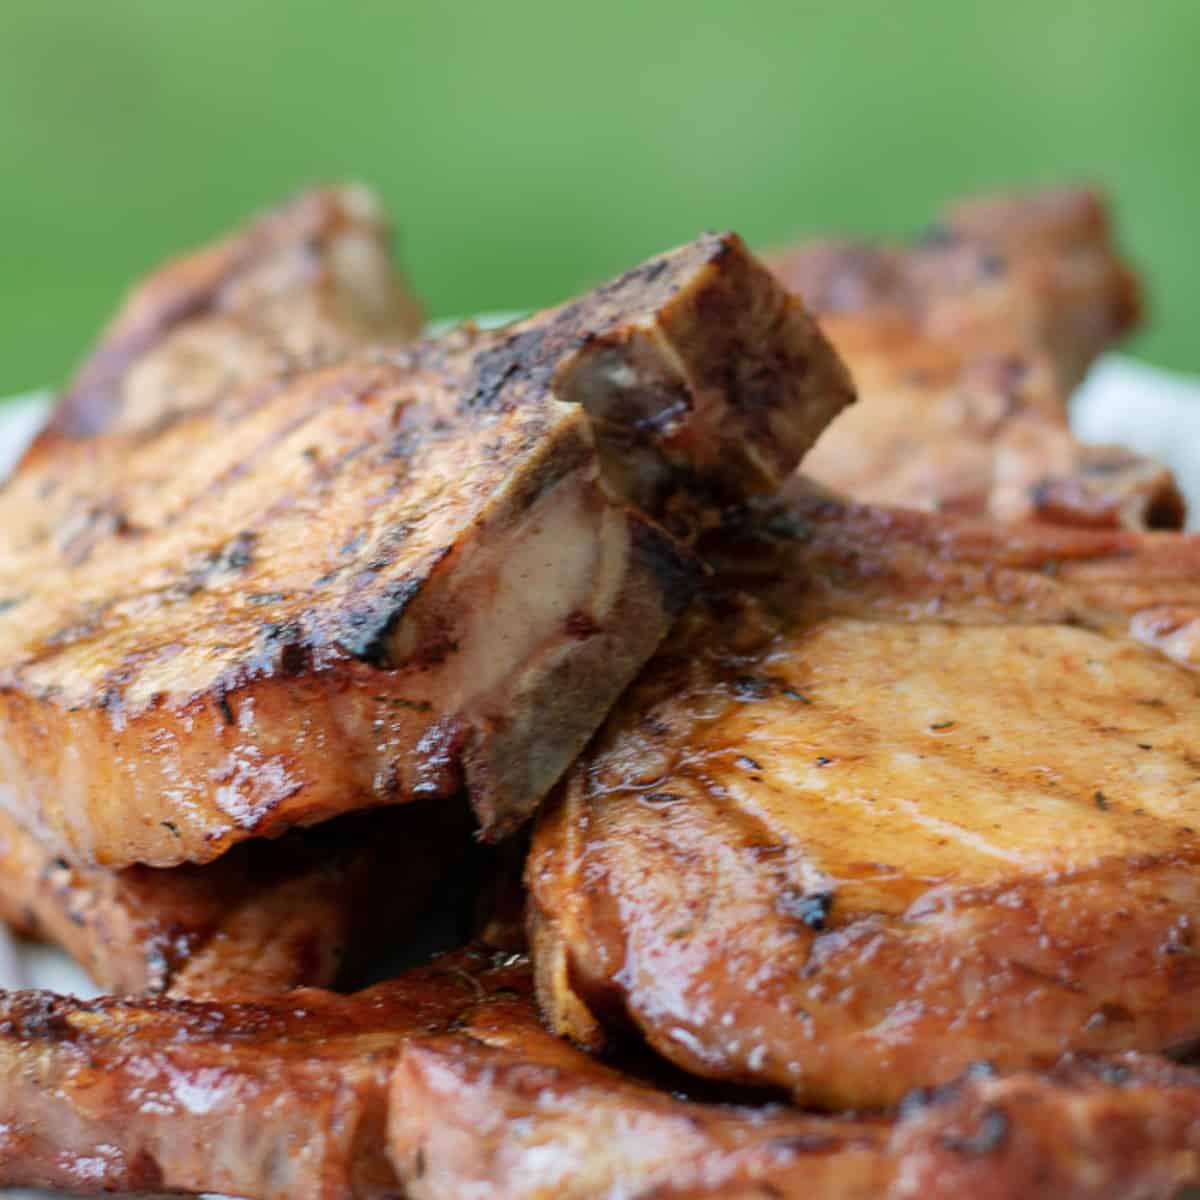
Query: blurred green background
column 526, row 148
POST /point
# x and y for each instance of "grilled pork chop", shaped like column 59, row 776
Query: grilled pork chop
column 268, row 916
column 500, row 1109
column 298, row 286
column 301, row 286
column 390, row 578
column 1029, row 269
column 903, row 793
column 442, row 1084
column 304, row 284
column 964, row 346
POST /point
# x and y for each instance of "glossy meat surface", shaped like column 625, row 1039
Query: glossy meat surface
column 501, row 1110
column 266, row 1097
column 442, row 1083
column 364, row 584
column 902, row 794
column 964, row 346
column 266, row 917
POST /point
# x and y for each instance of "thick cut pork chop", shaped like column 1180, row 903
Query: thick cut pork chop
column 298, row 286
column 442, row 1084
column 301, row 286
column 304, row 284
column 964, row 346
column 302, row 911
column 387, row 579
column 501, row 1110
column 902, row 794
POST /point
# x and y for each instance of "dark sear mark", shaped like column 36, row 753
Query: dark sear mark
column 1101, row 801
column 365, row 632
column 9, row 602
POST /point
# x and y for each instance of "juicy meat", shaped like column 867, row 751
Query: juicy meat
column 901, row 794
column 299, row 285
column 265, row 1097
column 442, row 1084
column 501, row 1110
column 387, row 579
column 268, row 916
column 964, row 346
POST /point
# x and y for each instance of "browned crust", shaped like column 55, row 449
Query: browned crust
column 266, row 917
column 441, row 1084
column 500, row 1108
column 268, row 1097
column 965, row 345
column 658, row 888
column 221, row 593
column 324, row 254
column 1037, row 268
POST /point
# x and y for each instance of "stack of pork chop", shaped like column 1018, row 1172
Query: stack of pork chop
column 862, row 858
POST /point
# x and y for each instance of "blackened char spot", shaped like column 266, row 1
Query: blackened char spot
column 525, row 356
column 750, row 688
column 38, row 1016
column 675, row 568
column 365, row 631
column 285, row 648
column 238, row 553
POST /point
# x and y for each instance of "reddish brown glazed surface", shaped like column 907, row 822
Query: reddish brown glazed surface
column 386, row 579
column 901, row 794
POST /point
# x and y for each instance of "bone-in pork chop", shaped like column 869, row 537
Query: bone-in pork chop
column 306, row 283
column 964, row 346
column 390, row 578
column 442, row 1084
column 901, row 794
